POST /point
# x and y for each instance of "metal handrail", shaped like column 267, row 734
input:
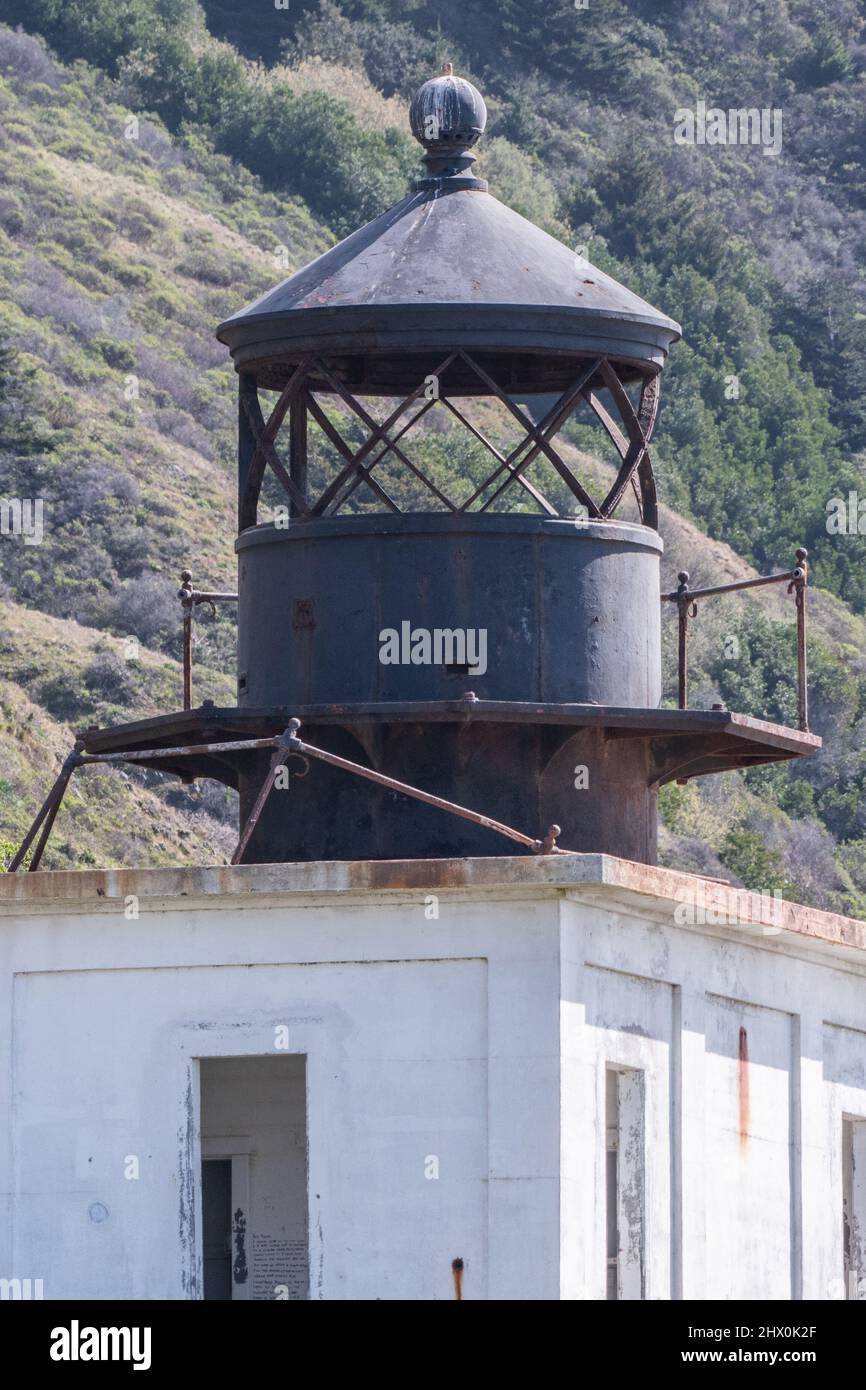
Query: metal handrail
column 190, row 599
column 685, row 598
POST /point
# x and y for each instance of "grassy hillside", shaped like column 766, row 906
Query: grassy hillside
column 58, row 676
column 152, row 189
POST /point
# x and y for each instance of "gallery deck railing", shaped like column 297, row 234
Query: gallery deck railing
column 686, row 600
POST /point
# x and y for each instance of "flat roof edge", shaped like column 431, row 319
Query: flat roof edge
column 690, row 899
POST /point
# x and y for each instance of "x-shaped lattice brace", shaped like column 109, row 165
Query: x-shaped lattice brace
column 258, row 449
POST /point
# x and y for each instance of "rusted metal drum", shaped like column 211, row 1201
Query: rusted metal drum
column 367, row 609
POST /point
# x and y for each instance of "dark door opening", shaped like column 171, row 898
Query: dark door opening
column 216, row 1207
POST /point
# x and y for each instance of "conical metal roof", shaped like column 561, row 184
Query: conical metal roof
column 449, row 267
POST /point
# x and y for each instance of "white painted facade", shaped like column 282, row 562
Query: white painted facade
column 458, row 1074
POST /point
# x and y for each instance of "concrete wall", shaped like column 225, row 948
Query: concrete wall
column 752, row 1052
column 458, row 1021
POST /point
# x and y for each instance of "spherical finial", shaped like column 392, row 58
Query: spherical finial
column 802, row 553
column 683, row 576
column 448, row 117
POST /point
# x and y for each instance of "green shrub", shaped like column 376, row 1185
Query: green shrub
column 120, row 356
column 758, row 868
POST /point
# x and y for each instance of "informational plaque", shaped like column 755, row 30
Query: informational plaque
column 279, row 1269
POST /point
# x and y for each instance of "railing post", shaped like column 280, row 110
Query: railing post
column 185, row 596
column 799, row 585
column 683, row 614
column 797, row 581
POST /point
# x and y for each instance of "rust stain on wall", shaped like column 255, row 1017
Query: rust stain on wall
column 744, row 1085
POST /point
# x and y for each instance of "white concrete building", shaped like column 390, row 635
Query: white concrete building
column 579, row 1076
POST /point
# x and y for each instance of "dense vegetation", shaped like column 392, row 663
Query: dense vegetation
column 263, row 130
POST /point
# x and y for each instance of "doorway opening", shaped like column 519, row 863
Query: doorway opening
column 254, row 1178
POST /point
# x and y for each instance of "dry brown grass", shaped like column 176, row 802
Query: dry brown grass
column 371, row 110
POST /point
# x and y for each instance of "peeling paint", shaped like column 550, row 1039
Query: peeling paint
column 320, row 1261
column 631, row 1195
column 186, row 1197
column 239, row 1231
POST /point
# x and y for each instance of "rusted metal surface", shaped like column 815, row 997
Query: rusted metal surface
column 223, row 743
column 685, row 609
column 358, row 463
column 534, row 493
column 686, row 601
column 638, row 433
column 616, row 720
column 298, row 446
column 546, row 846
column 537, row 588
column 185, row 596
column 538, row 437
column 336, row 490
column 143, row 755
column 45, row 817
column 190, row 599
column 51, row 816
column 363, row 471
column 799, row 584
column 450, row 288
column 643, row 485
column 794, row 575
column 277, row 762
column 694, row 727
column 259, row 450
